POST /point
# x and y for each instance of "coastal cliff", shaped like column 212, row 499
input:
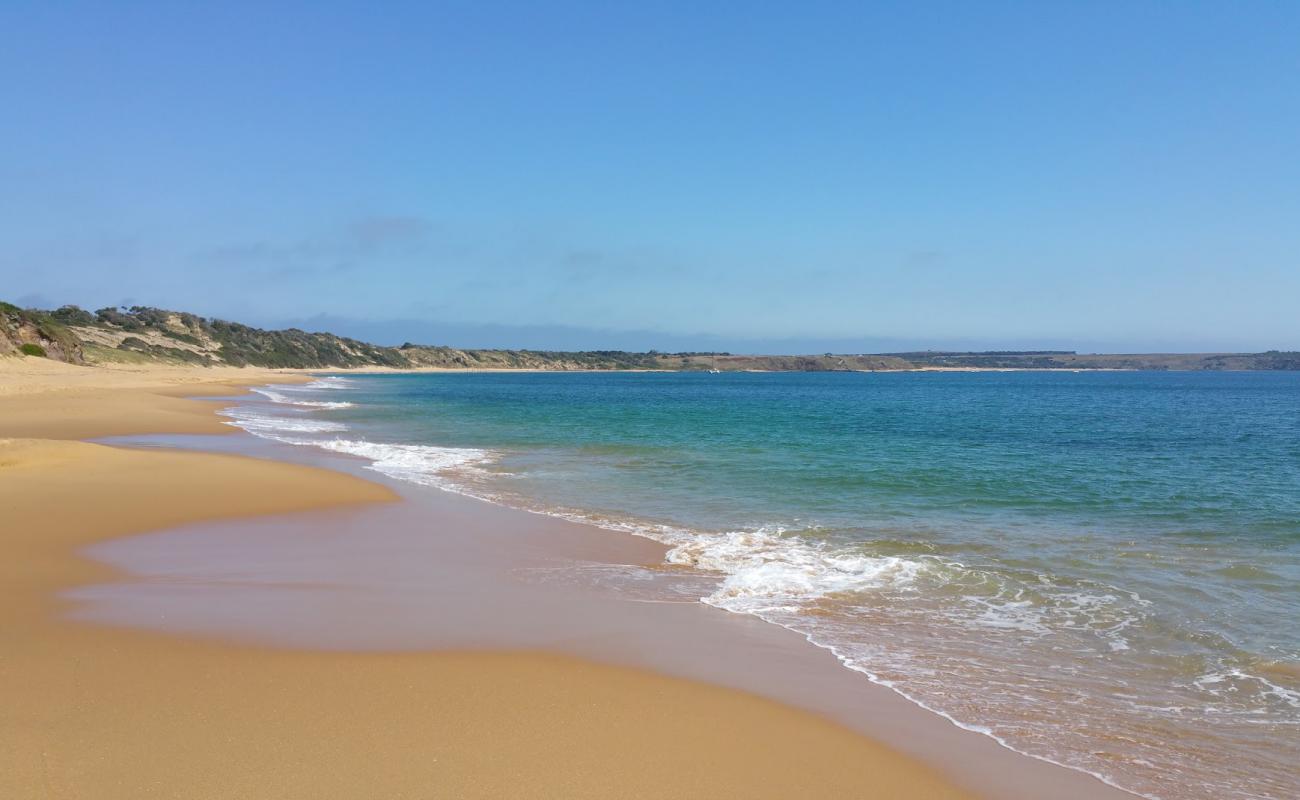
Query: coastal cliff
column 35, row 333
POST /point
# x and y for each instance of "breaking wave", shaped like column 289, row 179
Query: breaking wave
column 271, row 425
column 417, row 463
column 285, row 399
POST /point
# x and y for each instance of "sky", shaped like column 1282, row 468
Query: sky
column 782, row 177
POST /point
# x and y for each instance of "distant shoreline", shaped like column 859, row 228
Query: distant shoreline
column 139, row 336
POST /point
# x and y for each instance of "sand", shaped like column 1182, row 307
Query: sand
column 99, row 712
column 52, row 400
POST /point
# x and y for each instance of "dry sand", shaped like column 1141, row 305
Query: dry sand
column 97, row 712
column 46, row 399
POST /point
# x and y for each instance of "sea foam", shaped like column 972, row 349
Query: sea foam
column 328, row 382
column 765, row 567
column 285, row 399
column 270, row 425
column 423, row 464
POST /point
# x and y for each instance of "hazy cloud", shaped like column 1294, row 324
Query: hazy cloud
column 380, row 231
column 924, row 260
column 342, row 249
column 34, row 300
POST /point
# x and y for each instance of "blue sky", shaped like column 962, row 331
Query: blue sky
column 1092, row 175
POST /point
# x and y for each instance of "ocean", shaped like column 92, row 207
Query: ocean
column 1100, row 569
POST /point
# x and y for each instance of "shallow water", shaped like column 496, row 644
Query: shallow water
column 1120, row 550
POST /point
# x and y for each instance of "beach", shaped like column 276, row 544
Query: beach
column 344, row 585
column 846, row 400
column 96, row 710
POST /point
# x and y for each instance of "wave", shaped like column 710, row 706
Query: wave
column 416, row 463
column 779, row 576
column 268, row 425
column 765, row 566
column 421, row 464
column 328, row 382
column 1234, row 680
column 284, row 399
column 773, row 568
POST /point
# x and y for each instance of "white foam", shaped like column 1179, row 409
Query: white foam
column 281, row 397
column 765, row 568
column 329, row 382
column 1234, row 680
column 776, row 575
column 422, row 464
column 260, row 423
column 417, row 463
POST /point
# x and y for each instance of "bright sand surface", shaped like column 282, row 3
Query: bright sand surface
column 46, row 399
column 103, row 712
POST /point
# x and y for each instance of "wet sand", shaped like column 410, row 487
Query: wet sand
column 384, row 579
column 110, row 710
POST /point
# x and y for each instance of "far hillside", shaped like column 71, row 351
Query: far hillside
column 143, row 335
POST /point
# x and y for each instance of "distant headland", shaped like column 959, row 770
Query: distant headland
column 144, row 335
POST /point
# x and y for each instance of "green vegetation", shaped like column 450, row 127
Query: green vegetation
column 72, row 315
column 117, row 319
column 99, row 354
column 36, row 333
column 242, row 345
column 56, row 332
column 182, row 337
column 142, row 334
column 164, row 353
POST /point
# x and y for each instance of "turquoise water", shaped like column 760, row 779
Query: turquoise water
column 1100, row 569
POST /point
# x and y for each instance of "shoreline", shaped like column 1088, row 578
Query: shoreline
column 1078, row 782
column 170, row 711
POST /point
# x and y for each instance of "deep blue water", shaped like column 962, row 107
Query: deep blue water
column 1102, row 569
